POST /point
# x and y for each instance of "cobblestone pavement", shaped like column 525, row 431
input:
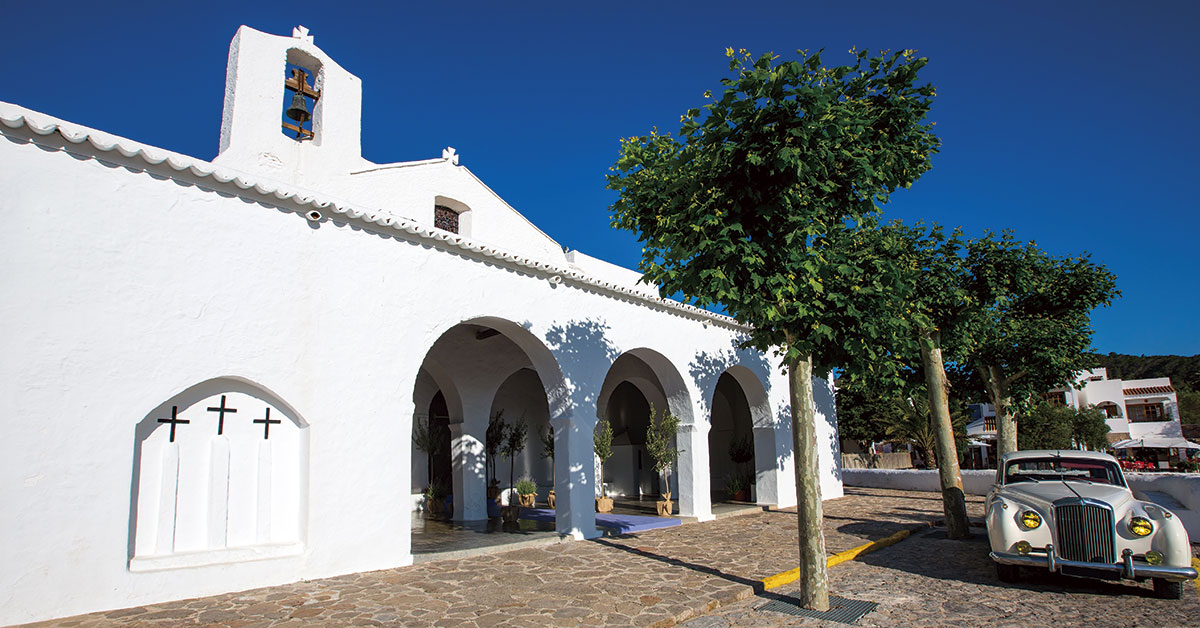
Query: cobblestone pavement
column 699, row 575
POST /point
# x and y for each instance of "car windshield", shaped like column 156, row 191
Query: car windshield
column 1062, row 469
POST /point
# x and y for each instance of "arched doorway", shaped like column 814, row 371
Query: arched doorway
column 740, row 436
column 638, row 381
column 476, row 370
column 731, row 443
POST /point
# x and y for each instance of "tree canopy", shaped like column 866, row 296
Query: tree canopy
column 759, row 206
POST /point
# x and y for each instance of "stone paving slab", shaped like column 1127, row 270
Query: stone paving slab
column 657, row 578
column 933, row 582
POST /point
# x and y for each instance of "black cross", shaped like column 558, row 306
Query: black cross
column 267, row 422
column 222, row 410
column 174, row 420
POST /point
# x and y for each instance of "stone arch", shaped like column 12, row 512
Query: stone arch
column 220, row 475
column 470, row 362
column 739, row 392
column 638, row 379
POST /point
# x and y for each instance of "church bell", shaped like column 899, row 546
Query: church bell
column 298, row 111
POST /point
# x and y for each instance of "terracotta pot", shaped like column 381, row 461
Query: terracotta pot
column 742, row 495
column 433, row 507
column 550, row 500
column 510, row 513
column 604, row 504
column 665, row 507
column 528, row 501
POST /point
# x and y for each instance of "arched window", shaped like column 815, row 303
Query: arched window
column 220, row 476
column 445, row 218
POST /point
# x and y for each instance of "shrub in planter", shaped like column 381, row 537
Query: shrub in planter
column 527, row 491
column 435, row 497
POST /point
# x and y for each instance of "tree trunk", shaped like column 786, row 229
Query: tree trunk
column 954, row 502
column 814, row 589
column 1006, row 421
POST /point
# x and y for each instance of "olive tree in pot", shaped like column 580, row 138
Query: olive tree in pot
column 548, row 452
column 492, row 443
column 514, row 443
column 602, row 443
column 660, row 444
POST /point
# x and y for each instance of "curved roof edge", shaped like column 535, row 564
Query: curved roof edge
column 17, row 117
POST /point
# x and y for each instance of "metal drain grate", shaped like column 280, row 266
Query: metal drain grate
column 840, row 610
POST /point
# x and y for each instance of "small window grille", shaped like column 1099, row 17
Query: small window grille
column 445, row 218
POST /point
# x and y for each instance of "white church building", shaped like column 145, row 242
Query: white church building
column 212, row 369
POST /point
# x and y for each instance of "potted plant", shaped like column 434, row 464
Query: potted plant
column 660, row 444
column 741, row 452
column 435, row 497
column 602, row 444
column 428, row 439
column 527, row 492
column 735, row 487
column 548, row 452
column 514, row 443
column 492, row 442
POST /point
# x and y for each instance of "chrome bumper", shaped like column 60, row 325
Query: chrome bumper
column 1125, row 569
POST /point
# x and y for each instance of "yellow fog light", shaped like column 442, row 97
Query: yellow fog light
column 1023, row 547
column 1140, row 526
column 1154, row 558
column 1031, row 519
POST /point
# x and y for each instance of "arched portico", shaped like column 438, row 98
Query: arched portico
column 480, row 367
column 637, row 380
column 741, row 438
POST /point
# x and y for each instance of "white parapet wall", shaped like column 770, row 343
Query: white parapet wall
column 1178, row 492
column 974, row 482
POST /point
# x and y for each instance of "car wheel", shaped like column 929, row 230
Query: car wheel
column 1012, row 573
column 1167, row 589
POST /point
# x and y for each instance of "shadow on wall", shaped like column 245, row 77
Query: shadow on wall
column 706, row 368
column 584, row 354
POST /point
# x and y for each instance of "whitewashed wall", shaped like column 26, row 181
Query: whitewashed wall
column 131, row 276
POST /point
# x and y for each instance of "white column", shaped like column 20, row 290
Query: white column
column 695, row 498
column 470, row 475
column 574, row 477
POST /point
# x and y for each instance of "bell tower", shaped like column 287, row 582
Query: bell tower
column 291, row 113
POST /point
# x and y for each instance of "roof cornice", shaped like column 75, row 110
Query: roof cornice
column 91, row 143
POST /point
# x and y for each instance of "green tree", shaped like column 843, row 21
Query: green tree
column 933, row 309
column 1046, row 427
column 1062, row 427
column 864, row 412
column 660, row 443
column 602, row 445
column 514, row 443
column 1090, row 429
column 756, row 207
column 1189, row 405
column 493, row 441
column 1028, row 329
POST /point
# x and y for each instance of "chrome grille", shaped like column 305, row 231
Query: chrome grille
column 1085, row 533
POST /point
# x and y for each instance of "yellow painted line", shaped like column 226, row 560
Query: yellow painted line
column 1196, row 582
column 780, row 579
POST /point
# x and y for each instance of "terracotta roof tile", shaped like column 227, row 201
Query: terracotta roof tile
column 1148, row 390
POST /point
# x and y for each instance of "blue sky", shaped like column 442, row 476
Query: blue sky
column 1072, row 123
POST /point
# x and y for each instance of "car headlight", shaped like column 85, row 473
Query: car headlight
column 1031, row 519
column 1140, row 526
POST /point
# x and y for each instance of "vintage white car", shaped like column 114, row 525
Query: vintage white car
column 1072, row 512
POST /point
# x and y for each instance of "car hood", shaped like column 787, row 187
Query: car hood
column 1045, row 493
